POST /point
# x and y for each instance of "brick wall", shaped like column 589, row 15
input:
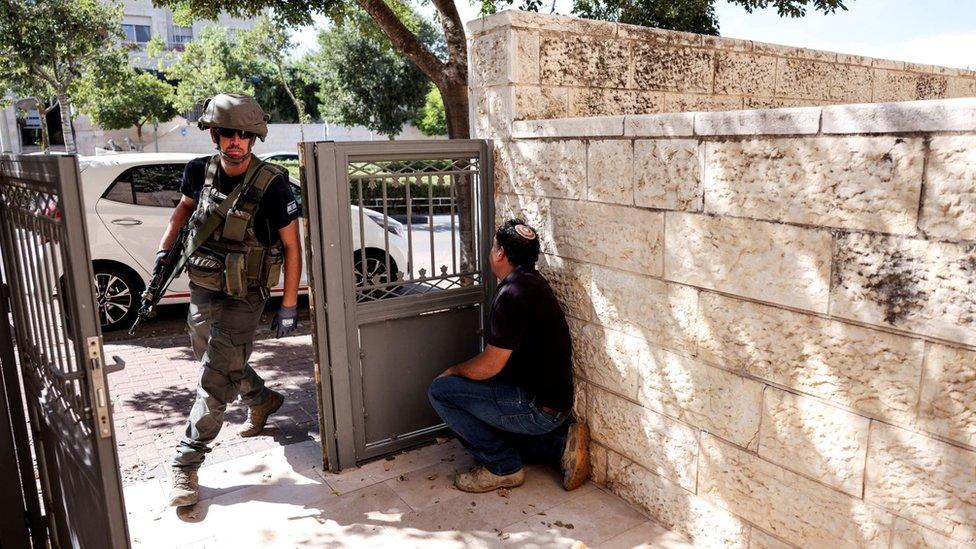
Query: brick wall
column 531, row 66
column 773, row 314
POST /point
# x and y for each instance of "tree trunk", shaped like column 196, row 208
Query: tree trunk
column 139, row 136
column 66, row 129
column 299, row 105
column 42, row 115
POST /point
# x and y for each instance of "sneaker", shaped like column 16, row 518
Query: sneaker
column 479, row 480
column 257, row 416
column 185, row 490
column 576, row 456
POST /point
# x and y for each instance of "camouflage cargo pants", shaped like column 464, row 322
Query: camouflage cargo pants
column 222, row 334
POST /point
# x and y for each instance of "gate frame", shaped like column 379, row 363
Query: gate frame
column 62, row 173
column 329, row 232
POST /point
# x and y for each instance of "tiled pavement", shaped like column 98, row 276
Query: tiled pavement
column 152, row 397
column 282, row 498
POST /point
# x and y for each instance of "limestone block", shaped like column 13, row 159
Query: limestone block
column 766, row 122
column 579, row 400
column 554, row 169
column 853, row 59
column 794, row 52
column 577, row 60
column 809, row 437
column 948, row 404
column 606, row 102
column 659, row 37
column 598, row 464
column 906, row 86
column 761, row 540
column 745, row 74
column 709, row 398
column 658, row 67
column 571, row 282
column 792, row 507
column 490, row 62
column 851, row 84
column 478, row 114
column 667, row 174
column 908, row 535
column 943, row 115
column 766, row 261
column 869, row 183
column 726, row 44
column 949, row 204
column 660, row 125
column 675, row 508
column 494, row 111
column 918, row 477
column 777, row 103
column 610, row 235
column 524, row 56
column 690, row 102
column 665, row 315
column 803, row 78
column 867, row 370
column 535, row 210
column 610, row 359
column 610, row 171
column 533, row 103
column 658, row 443
column 960, row 86
column 605, row 126
column 922, row 286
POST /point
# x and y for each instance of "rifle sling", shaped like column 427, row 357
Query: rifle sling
column 213, row 221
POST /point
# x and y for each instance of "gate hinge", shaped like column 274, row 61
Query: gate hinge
column 97, row 377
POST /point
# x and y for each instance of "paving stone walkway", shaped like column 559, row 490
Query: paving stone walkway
column 152, row 397
column 282, row 498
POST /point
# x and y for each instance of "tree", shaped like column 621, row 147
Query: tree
column 211, row 64
column 363, row 81
column 46, row 45
column 688, row 15
column 431, row 119
column 270, row 42
column 117, row 97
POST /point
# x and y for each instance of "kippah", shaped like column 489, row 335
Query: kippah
column 525, row 232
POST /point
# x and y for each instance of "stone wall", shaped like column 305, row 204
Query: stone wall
column 773, row 314
column 531, row 66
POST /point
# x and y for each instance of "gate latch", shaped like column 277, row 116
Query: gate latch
column 97, row 377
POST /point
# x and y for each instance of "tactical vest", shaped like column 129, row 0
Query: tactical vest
column 232, row 260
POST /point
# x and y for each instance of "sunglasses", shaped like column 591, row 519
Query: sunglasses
column 230, row 132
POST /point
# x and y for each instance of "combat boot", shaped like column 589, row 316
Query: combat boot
column 185, row 490
column 257, row 416
column 576, row 456
column 479, row 480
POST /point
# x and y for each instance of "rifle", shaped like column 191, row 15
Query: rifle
column 162, row 278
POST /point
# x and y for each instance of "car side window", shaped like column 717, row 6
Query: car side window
column 156, row 185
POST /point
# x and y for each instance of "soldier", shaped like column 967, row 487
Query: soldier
column 231, row 273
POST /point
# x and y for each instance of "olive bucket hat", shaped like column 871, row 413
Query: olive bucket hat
column 234, row 111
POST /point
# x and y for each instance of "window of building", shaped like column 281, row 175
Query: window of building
column 136, row 33
column 154, row 185
column 181, row 35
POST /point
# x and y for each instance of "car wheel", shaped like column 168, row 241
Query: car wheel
column 117, row 294
column 371, row 271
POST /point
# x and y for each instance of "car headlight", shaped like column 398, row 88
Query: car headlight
column 392, row 225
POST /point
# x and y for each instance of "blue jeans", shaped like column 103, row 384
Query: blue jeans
column 498, row 423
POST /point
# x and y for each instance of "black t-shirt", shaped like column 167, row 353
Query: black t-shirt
column 277, row 208
column 526, row 318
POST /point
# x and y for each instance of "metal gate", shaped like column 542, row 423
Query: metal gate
column 58, row 359
column 397, row 249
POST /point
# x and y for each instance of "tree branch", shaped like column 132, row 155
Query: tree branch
column 457, row 47
column 404, row 40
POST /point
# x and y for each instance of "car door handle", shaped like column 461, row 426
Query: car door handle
column 126, row 221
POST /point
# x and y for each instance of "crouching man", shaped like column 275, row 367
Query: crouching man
column 511, row 403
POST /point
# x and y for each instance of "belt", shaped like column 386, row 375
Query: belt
column 554, row 412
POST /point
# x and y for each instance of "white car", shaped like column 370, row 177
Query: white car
column 129, row 199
